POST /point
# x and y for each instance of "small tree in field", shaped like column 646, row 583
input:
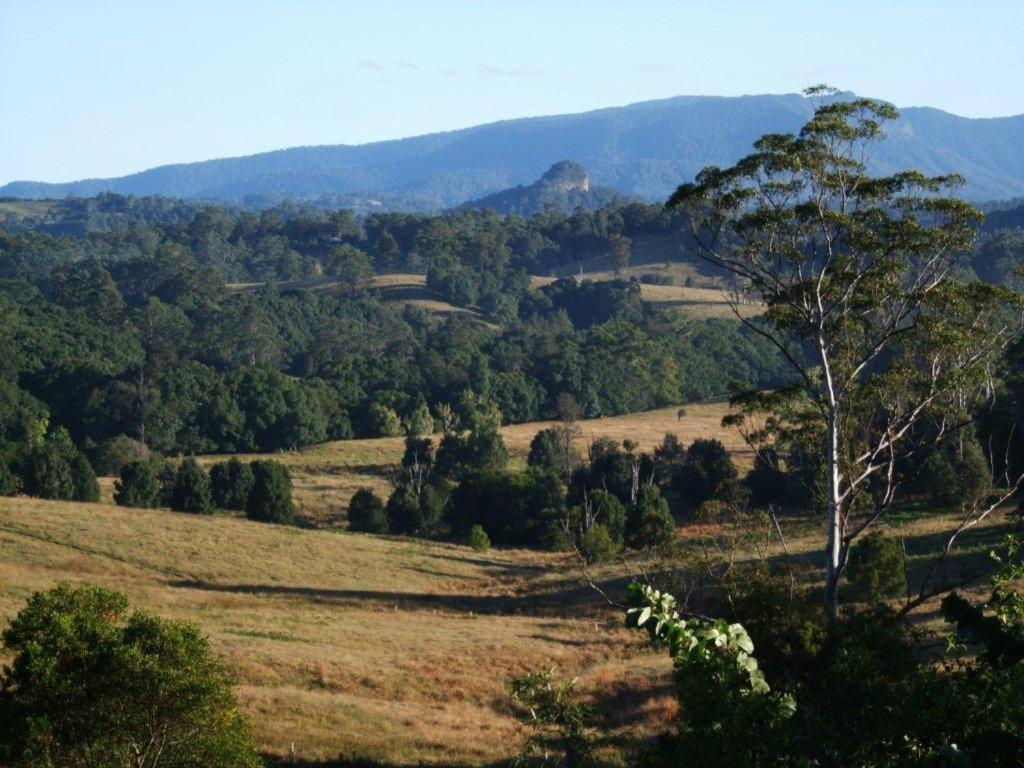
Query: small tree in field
column 270, row 500
column 231, row 483
column 91, row 685
column 138, row 485
column 190, row 491
column 857, row 277
column 366, row 513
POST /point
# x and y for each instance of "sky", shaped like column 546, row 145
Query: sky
column 95, row 89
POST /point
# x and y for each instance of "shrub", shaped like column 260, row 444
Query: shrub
column 711, row 510
column 231, row 483
column 609, row 512
column 478, row 539
column 707, row 473
column 166, row 476
column 270, row 500
column 516, row 509
column 138, row 485
column 8, row 480
column 56, row 469
column 89, row 683
column 110, row 457
column 482, row 451
column 419, row 421
column 405, row 514
column 191, row 489
column 366, row 513
column 597, row 544
column 85, row 487
column 650, row 523
column 876, row 567
column 957, row 474
column 547, row 451
column 766, row 481
column 382, row 421
column 433, row 499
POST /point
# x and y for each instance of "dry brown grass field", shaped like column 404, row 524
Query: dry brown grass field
column 344, row 644
column 396, row 650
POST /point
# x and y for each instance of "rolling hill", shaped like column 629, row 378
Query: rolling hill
column 643, row 149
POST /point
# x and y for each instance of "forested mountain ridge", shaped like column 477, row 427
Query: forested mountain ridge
column 643, row 149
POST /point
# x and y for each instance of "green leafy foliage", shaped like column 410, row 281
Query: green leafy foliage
column 231, row 482
column 877, row 568
column 138, row 485
column 556, row 721
column 270, row 500
column 728, row 712
column 366, row 513
column 478, row 539
column 650, row 522
column 90, row 684
column 190, row 491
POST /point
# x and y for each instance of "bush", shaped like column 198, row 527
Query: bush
column 88, row 683
column 767, row 483
column 366, row 513
column 609, row 512
column 478, row 539
column 711, row 510
column 56, row 469
column 8, row 480
column 85, row 486
column 138, row 485
column 876, row 567
column 547, row 451
column 166, row 476
column 270, row 500
column 482, row 450
column 957, row 474
column 110, row 457
column 405, row 514
column 191, row 489
column 231, row 483
column 707, row 473
column 433, row 499
column 516, row 509
column 597, row 544
column 650, row 523
column 382, row 421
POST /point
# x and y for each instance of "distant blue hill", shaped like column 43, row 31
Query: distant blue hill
column 643, row 149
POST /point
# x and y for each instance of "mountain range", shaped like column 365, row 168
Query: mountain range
column 644, row 150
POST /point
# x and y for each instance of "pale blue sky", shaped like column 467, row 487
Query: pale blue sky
column 91, row 88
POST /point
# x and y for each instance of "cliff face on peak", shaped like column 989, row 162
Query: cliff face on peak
column 564, row 187
column 567, row 175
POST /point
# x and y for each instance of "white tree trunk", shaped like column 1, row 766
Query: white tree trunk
column 834, row 550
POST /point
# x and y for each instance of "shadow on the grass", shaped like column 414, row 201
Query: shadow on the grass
column 582, row 598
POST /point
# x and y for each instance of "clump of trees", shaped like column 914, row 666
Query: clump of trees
column 261, row 489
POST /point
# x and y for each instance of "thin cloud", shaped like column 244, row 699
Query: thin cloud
column 383, row 66
column 811, row 72
column 492, row 70
column 653, row 67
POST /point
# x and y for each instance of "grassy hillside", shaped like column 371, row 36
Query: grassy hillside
column 344, row 644
column 389, row 649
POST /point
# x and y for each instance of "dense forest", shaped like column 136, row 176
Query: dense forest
column 123, row 318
